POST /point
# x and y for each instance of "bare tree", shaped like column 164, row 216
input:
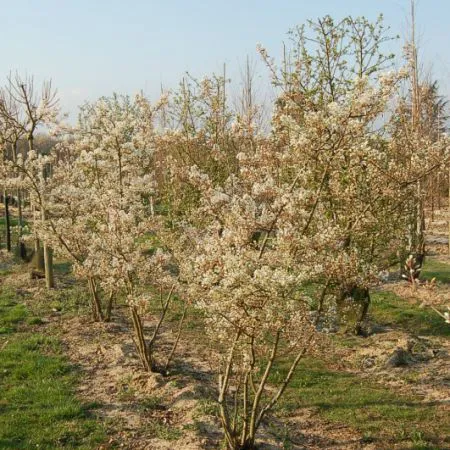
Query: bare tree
column 24, row 109
column 12, row 130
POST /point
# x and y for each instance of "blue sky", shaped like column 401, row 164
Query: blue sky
column 93, row 48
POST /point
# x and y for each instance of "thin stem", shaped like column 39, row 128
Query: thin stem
column 177, row 339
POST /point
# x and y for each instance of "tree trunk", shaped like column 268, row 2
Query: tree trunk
column 139, row 341
column 48, row 261
column 37, row 259
column 152, row 207
column 420, row 247
column 48, row 264
column 97, row 313
column 448, row 212
column 109, row 307
column 7, row 221
column 439, row 191
column 21, row 245
column 355, row 300
column 365, row 303
column 432, row 188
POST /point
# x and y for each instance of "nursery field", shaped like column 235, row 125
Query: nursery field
column 250, row 264
column 67, row 382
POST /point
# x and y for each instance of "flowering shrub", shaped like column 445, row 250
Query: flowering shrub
column 263, row 232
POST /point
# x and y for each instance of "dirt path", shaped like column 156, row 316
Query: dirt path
column 149, row 411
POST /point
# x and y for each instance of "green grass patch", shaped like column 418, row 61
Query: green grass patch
column 14, row 223
column 11, row 312
column 34, row 321
column 72, row 300
column 150, row 403
column 436, row 269
column 164, row 431
column 5, row 271
column 376, row 412
column 62, row 267
column 38, row 407
column 391, row 310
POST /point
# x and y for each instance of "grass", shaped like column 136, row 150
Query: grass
column 70, row 301
column 14, row 222
column 376, row 412
column 38, row 408
column 150, row 403
column 391, row 310
column 436, row 269
column 11, row 313
column 380, row 414
column 164, row 431
column 62, row 267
